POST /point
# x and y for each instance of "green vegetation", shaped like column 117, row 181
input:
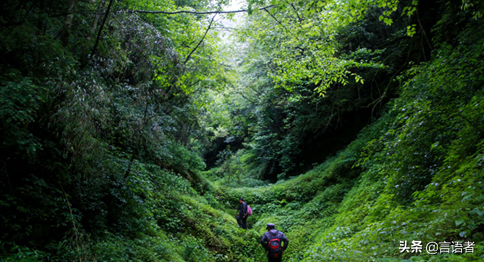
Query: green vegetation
column 129, row 135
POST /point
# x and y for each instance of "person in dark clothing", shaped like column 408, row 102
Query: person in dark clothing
column 274, row 242
column 242, row 216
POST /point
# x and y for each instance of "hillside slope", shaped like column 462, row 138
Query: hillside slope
column 414, row 175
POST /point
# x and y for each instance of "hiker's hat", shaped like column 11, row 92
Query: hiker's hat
column 270, row 225
column 240, row 198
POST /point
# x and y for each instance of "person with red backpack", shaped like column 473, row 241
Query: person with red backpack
column 272, row 242
column 242, row 216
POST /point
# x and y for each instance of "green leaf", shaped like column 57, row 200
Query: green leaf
column 459, row 222
column 476, row 211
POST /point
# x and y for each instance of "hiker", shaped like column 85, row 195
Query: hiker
column 242, row 216
column 271, row 241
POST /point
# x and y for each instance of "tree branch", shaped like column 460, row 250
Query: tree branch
column 196, row 12
column 248, row 99
column 101, row 28
column 73, row 223
column 275, row 19
column 201, row 40
column 297, row 14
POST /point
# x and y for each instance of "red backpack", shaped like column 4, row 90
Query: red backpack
column 275, row 248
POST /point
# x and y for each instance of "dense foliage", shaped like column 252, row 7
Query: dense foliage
column 127, row 134
column 289, row 129
column 97, row 121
